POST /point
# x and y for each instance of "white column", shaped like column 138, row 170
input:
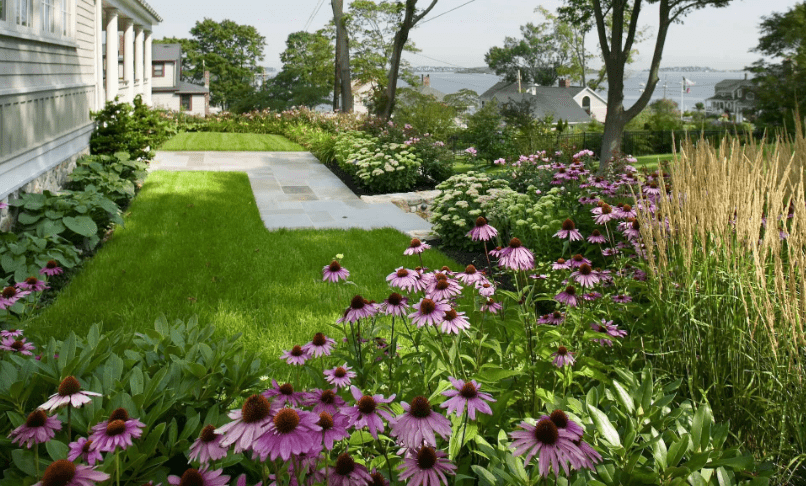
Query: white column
column 128, row 58
column 111, row 54
column 138, row 59
column 99, row 56
column 147, row 68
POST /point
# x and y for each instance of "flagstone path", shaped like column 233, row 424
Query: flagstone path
column 294, row 190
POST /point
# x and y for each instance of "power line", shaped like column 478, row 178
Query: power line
column 438, row 60
column 443, row 13
column 313, row 14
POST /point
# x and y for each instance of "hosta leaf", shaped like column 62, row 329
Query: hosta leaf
column 82, row 225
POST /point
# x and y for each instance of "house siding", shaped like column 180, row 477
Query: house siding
column 171, row 101
column 164, row 81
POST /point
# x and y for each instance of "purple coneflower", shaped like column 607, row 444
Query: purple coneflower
column 486, row 289
column 596, row 237
column 633, row 229
column 561, row 420
column 320, row 345
column 117, row 432
column 395, row 305
column 291, row 432
column 323, row 401
column 334, row 272
column 516, row 257
column 334, row 428
column 568, row 296
column 10, row 295
column 377, row 478
column 69, row 393
column 609, row 329
column 591, row 296
column 419, row 423
column 200, row 477
column 295, row 356
column 207, row 447
column 453, row 322
column 37, row 429
column 578, row 260
column 569, row 231
column 285, row 394
column 368, row 411
column 591, row 457
column 65, row 473
column 404, row 279
column 339, row 376
column 466, row 394
column 11, row 333
column 346, row 472
column 83, row 448
column 416, row 247
column 426, row 467
column 471, row 276
column 585, row 276
column 652, row 189
column 610, row 251
column 429, row 312
column 555, row 318
column 622, row 298
column 16, row 346
column 496, row 252
column 482, row 231
column 33, row 284
column 491, row 306
column 602, row 214
column 360, row 308
column 563, row 357
column 554, row 447
column 51, row 268
column 624, row 211
column 248, row 423
column 443, row 289
column 561, row 264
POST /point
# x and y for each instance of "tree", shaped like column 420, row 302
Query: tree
column 343, row 82
column 537, row 55
column 307, row 75
column 781, row 87
column 616, row 43
column 425, row 113
column 664, row 115
column 699, row 106
column 462, row 100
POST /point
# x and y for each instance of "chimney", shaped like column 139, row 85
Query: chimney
column 745, row 76
column 207, row 94
column 422, row 79
column 427, row 80
column 565, row 83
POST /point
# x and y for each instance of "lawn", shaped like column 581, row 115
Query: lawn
column 194, row 243
column 650, row 162
column 242, row 142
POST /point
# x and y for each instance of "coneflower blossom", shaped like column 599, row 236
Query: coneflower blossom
column 471, row 276
column 609, row 329
column 486, row 289
column 13, row 333
column 569, row 231
column 323, row 401
column 490, row 306
column 443, row 289
column 295, row 356
column 563, row 357
column 334, row 272
column 285, row 394
column 200, row 477
column 248, row 423
column 453, row 322
column 596, row 237
column 419, row 423
column 404, row 279
column 555, row 318
column 633, row 229
column 346, row 472
column 33, row 284
column 339, row 376
column 602, row 214
column 320, row 345
column 578, row 260
column 591, row 457
column 555, row 448
column 334, row 428
column 622, row 298
column 416, row 247
column 651, row 189
column 207, row 447
column 38, row 428
column 117, row 432
column 377, row 478
column 561, row 420
column 65, row 473
column 426, row 467
column 69, row 393
column 83, row 448
column 561, row 264
column 16, row 346
column 290, row 432
column 585, row 276
column 482, row 231
column 360, row 308
column 466, row 394
column 395, row 305
column 429, row 312
column 568, row 296
column 369, row 411
column 624, row 211
column 516, row 257
column 10, row 295
column 591, row 296
column 51, row 268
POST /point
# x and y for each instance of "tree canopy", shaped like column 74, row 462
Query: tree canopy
column 538, row 54
column 308, row 70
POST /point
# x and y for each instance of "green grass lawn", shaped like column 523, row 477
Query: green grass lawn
column 650, row 162
column 194, row 244
column 243, row 142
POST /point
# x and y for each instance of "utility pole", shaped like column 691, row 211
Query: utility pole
column 519, row 80
column 343, row 56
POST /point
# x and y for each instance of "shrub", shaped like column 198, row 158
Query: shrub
column 23, row 255
column 348, row 143
column 437, row 160
column 425, row 114
column 488, row 133
column 114, row 176
column 122, row 127
column 390, row 167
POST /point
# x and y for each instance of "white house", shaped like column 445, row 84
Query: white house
column 53, row 72
column 168, row 89
column 573, row 104
column 733, row 97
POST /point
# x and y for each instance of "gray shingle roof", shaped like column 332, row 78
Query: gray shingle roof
column 429, row 91
column 732, row 84
column 182, row 88
column 166, row 52
column 551, row 101
column 504, row 87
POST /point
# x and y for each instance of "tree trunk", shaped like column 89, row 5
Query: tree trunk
column 337, row 75
column 612, row 136
column 343, row 56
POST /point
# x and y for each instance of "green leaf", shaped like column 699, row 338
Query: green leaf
column 57, row 450
column 82, row 225
column 136, row 381
column 604, row 426
column 485, row 476
column 26, row 218
column 624, row 398
column 50, row 228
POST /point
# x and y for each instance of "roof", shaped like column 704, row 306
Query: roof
column 504, row 87
column 429, row 91
column 546, row 101
column 166, row 52
column 150, row 9
column 732, row 84
column 181, row 88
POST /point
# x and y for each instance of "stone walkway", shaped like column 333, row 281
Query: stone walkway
column 294, row 190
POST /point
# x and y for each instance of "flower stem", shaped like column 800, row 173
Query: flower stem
column 117, row 466
column 36, row 460
column 69, row 423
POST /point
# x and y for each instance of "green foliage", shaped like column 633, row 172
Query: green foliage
column 389, row 167
column 425, row 113
column 348, row 143
column 663, row 115
column 489, row 134
column 175, row 378
column 122, row 127
column 114, row 176
column 437, row 160
column 23, row 255
column 537, row 56
column 532, row 219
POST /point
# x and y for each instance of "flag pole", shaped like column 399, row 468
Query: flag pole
column 682, row 91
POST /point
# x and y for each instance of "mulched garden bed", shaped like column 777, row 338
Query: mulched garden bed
column 360, row 190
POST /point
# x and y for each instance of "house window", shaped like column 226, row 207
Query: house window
column 586, row 104
column 65, row 17
column 158, row 70
column 2, row 10
column 48, row 17
column 185, row 103
column 739, row 94
column 24, row 11
column 751, row 96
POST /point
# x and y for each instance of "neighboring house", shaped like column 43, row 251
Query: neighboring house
column 52, row 73
column 362, row 94
column 733, row 96
column 425, row 88
column 169, row 91
column 573, row 104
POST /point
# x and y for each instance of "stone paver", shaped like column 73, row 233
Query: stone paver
column 294, row 190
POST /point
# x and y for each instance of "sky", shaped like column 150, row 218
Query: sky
column 716, row 38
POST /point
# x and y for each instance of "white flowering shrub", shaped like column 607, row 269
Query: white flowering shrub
column 460, row 203
column 389, row 167
column 348, row 143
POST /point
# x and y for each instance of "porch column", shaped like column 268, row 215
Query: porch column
column 111, row 54
column 138, row 59
column 147, row 68
column 128, row 58
column 99, row 56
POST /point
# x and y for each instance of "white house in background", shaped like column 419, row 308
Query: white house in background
column 53, row 72
column 168, row 89
column 573, row 104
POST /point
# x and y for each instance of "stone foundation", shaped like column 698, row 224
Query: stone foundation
column 418, row 202
column 53, row 180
